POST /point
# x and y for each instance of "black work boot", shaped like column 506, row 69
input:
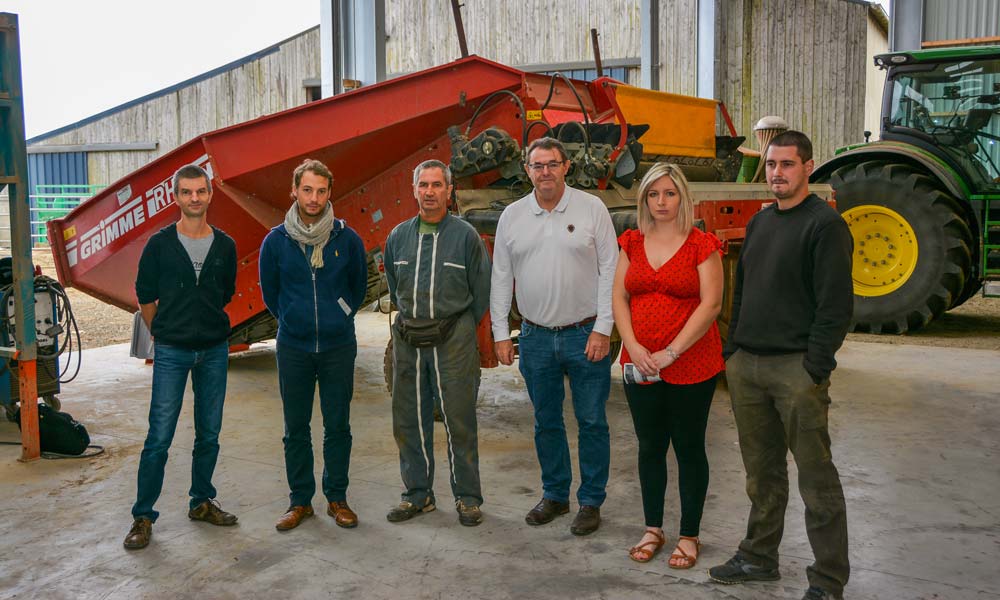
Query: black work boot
column 818, row 593
column 739, row 570
column 545, row 511
column 587, row 520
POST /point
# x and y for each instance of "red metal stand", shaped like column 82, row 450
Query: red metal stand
column 28, row 388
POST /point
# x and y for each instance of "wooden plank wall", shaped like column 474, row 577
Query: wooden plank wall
column 801, row 59
column 512, row 32
column 264, row 86
column 678, row 46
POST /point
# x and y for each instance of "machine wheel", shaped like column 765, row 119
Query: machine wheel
column 387, row 366
column 912, row 247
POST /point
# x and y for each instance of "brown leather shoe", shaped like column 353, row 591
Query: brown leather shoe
column 342, row 514
column 138, row 537
column 545, row 511
column 292, row 518
column 211, row 512
column 587, row 520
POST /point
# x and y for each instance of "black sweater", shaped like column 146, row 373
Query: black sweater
column 794, row 291
column 189, row 311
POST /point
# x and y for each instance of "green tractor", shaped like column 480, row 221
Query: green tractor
column 923, row 202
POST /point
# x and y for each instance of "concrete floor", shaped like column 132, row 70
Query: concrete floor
column 915, row 434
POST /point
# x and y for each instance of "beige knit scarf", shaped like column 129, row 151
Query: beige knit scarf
column 315, row 235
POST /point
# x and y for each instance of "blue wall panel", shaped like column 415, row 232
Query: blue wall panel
column 58, row 168
column 619, row 73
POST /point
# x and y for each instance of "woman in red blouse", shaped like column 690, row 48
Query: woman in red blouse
column 667, row 294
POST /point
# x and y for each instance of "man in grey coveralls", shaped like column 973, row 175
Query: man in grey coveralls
column 438, row 268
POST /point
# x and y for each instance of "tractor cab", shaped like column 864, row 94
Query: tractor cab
column 949, row 106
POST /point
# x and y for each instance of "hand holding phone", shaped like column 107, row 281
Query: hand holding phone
column 633, row 375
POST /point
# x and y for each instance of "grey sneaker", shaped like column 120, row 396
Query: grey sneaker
column 818, row 593
column 470, row 516
column 739, row 570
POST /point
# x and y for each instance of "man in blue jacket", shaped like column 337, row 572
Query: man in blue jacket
column 186, row 277
column 313, row 275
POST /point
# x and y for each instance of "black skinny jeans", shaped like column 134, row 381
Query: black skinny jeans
column 664, row 413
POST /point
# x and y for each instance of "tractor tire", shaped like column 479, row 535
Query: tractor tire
column 912, row 247
column 972, row 287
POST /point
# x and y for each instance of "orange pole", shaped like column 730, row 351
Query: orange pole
column 28, row 384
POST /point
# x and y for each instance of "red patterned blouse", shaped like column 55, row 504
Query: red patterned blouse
column 662, row 300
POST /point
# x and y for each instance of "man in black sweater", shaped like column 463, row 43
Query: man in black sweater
column 792, row 307
column 187, row 275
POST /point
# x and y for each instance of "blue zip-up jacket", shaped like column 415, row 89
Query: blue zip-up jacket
column 314, row 307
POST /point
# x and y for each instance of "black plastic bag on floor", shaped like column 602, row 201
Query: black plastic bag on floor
column 58, row 432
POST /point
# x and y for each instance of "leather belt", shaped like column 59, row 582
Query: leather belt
column 586, row 321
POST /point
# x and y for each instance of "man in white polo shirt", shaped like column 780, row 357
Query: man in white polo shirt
column 558, row 244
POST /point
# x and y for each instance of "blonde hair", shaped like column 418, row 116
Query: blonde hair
column 685, row 215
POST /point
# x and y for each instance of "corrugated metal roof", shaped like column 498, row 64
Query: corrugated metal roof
column 950, row 20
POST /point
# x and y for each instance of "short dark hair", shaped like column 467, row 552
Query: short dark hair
column 546, row 143
column 192, row 172
column 432, row 164
column 803, row 146
column 313, row 166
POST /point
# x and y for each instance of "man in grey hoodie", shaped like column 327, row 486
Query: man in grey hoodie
column 439, row 278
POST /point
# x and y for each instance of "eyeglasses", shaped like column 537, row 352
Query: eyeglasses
column 552, row 166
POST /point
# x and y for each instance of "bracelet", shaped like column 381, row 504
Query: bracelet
column 671, row 353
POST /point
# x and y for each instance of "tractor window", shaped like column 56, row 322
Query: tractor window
column 958, row 105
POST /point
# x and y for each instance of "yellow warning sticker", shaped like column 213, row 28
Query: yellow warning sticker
column 534, row 115
column 68, row 233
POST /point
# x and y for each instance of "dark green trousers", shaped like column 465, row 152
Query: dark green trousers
column 446, row 376
column 779, row 408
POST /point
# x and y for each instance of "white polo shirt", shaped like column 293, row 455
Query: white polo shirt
column 562, row 260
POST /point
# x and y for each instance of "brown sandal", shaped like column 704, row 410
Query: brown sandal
column 645, row 552
column 679, row 554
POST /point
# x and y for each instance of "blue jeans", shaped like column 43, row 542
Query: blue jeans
column 546, row 356
column 171, row 366
column 298, row 374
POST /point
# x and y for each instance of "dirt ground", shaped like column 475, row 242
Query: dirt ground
column 975, row 324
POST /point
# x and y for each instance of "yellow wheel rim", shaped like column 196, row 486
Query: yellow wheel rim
column 885, row 249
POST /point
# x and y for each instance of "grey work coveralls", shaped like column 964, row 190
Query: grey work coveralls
column 437, row 275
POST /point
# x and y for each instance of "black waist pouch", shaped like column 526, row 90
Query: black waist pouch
column 425, row 333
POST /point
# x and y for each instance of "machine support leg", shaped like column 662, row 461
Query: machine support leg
column 28, row 388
